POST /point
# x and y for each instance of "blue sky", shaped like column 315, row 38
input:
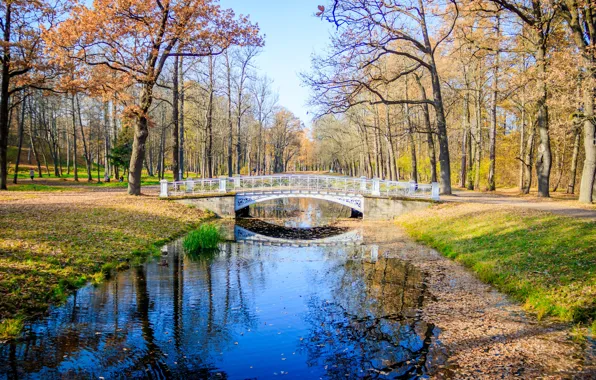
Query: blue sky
column 293, row 33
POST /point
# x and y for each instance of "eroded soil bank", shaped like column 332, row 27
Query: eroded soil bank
column 484, row 334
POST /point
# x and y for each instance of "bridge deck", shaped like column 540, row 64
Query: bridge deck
column 299, row 184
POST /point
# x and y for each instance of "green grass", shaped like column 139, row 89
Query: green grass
column 206, row 238
column 545, row 261
column 10, row 328
column 35, row 187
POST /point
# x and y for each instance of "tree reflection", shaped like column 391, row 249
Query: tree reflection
column 299, row 212
column 184, row 315
column 370, row 327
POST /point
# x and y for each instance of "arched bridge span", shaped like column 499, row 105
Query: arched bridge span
column 347, row 191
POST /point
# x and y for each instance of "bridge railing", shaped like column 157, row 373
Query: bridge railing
column 190, row 187
column 300, row 183
column 297, row 182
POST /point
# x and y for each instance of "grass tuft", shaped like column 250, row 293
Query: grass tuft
column 11, row 328
column 206, row 238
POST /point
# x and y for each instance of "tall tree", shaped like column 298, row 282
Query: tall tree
column 369, row 31
column 23, row 62
column 134, row 39
column 538, row 15
column 580, row 16
column 175, row 123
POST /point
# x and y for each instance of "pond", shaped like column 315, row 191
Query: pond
column 293, row 294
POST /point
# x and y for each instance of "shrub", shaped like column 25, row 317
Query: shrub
column 206, row 238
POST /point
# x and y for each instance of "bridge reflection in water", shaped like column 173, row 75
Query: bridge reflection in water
column 244, row 235
column 255, row 231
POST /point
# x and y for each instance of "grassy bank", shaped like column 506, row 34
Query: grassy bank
column 52, row 243
column 547, row 262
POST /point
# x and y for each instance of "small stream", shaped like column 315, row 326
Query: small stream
column 289, row 294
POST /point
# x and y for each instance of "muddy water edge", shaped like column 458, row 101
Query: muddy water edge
column 484, row 334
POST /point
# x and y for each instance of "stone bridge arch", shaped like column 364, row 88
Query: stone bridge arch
column 244, row 200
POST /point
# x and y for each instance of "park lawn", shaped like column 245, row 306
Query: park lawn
column 52, row 183
column 52, row 243
column 545, row 261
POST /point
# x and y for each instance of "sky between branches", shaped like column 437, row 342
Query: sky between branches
column 293, row 34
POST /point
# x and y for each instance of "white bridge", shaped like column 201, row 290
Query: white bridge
column 246, row 236
column 347, row 191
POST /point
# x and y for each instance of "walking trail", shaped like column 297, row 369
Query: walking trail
column 560, row 206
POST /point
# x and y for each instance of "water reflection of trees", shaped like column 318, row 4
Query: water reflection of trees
column 152, row 321
column 176, row 319
column 299, row 212
column 370, row 327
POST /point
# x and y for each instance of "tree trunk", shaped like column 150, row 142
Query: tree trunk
column 115, row 137
column 34, row 149
column 181, row 115
column 161, row 153
column 230, row 124
column 493, row 117
column 210, row 118
column 86, row 151
column 478, row 145
column 521, row 144
column 528, row 161
column 544, row 155
column 4, row 98
column 444, row 160
column 21, row 135
column 175, row 125
column 574, row 161
column 589, row 172
column 74, row 140
column 414, row 168
column 430, row 140
column 560, row 164
column 106, row 137
column 135, row 170
column 68, row 151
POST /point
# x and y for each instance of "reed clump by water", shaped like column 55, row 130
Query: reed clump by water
column 206, row 238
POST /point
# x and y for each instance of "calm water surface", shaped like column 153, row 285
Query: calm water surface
column 256, row 309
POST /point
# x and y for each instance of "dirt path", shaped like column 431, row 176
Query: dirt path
column 565, row 207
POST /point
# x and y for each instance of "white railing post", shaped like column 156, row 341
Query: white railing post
column 163, row 185
column 236, row 181
column 413, row 187
column 222, row 184
column 376, row 190
column 435, row 191
column 374, row 253
column 190, row 186
column 363, row 184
